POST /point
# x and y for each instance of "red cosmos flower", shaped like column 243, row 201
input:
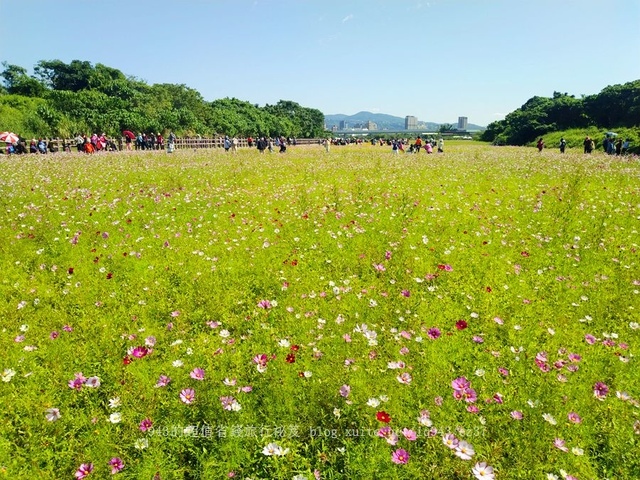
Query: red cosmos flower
column 70, row 271
column 126, row 360
column 488, row 289
column 291, row 358
column 440, row 267
column 294, row 348
column 109, row 275
column 383, row 417
column 524, row 253
column 461, row 325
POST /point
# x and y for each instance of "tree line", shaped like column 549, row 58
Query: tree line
column 61, row 100
column 616, row 106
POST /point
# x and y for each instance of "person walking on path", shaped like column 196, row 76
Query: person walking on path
column 563, row 144
column 540, row 144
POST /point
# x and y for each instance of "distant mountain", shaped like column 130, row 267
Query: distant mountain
column 384, row 121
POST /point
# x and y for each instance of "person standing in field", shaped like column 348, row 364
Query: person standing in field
column 283, row 145
column 327, row 144
column 587, row 145
column 441, row 145
column 418, row 144
column 540, row 144
column 227, row 143
column 234, row 145
column 563, row 144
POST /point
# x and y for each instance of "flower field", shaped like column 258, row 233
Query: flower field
column 342, row 315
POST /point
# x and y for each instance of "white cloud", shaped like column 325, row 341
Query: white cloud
column 347, row 18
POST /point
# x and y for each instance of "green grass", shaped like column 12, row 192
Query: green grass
column 360, row 253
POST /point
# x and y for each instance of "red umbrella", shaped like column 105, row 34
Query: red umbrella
column 129, row 133
column 9, row 137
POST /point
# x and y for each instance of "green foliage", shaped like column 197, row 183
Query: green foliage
column 615, row 107
column 82, row 98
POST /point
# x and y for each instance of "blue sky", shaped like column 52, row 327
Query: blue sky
column 435, row 59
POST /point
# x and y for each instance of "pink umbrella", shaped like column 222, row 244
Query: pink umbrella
column 9, row 137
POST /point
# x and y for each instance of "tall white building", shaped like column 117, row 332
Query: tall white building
column 410, row 122
column 462, row 123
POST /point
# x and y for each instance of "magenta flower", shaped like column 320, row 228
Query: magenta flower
column 140, row 352
column 265, row 304
column 503, row 371
column 478, row 339
column 53, row 335
column 188, row 395
column 433, row 333
column 77, row 381
column 388, row 434
column 84, row 470
column 116, row 465
column 400, row 456
column 197, row 374
column 146, row 424
column 406, row 293
column 600, row 390
column 516, row 415
column 590, row 339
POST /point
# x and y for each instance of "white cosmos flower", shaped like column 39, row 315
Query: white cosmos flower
column 115, row 417
column 52, row 414
column 8, row 374
column 549, row 418
column 114, row 402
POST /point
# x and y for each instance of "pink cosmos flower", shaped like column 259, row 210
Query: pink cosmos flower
column 574, row 417
column 77, row 382
column 197, row 374
column 379, row 267
column 145, row 425
column 460, row 384
column 175, row 313
column 450, row 441
column 84, row 470
column 116, row 465
column 400, row 456
column 53, row 335
column 560, row 444
column 434, row 333
column 473, row 409
column 516, row 415
column 388, row 434
column 590, row 339
column 163, row 381
column 188, row 395
column 600, row 390
column 406, row 293
column 404, row 378
column 409, row 434
column 67, row 328
column 265, row 304
column 461, row 325
column 345, row 390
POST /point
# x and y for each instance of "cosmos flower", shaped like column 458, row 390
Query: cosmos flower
column 400, row 456
column 464, row 450
column 383, row 416
column 482, row 471
column 83, row 470
column 188, row 395
column 197, row 374
column 600, row 390
column 116, row 465
column 52, row 414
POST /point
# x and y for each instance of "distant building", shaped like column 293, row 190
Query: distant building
column 343, row 125
column 462, row 123
column 371, row 125
column 334, row 128
column 410, row 122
